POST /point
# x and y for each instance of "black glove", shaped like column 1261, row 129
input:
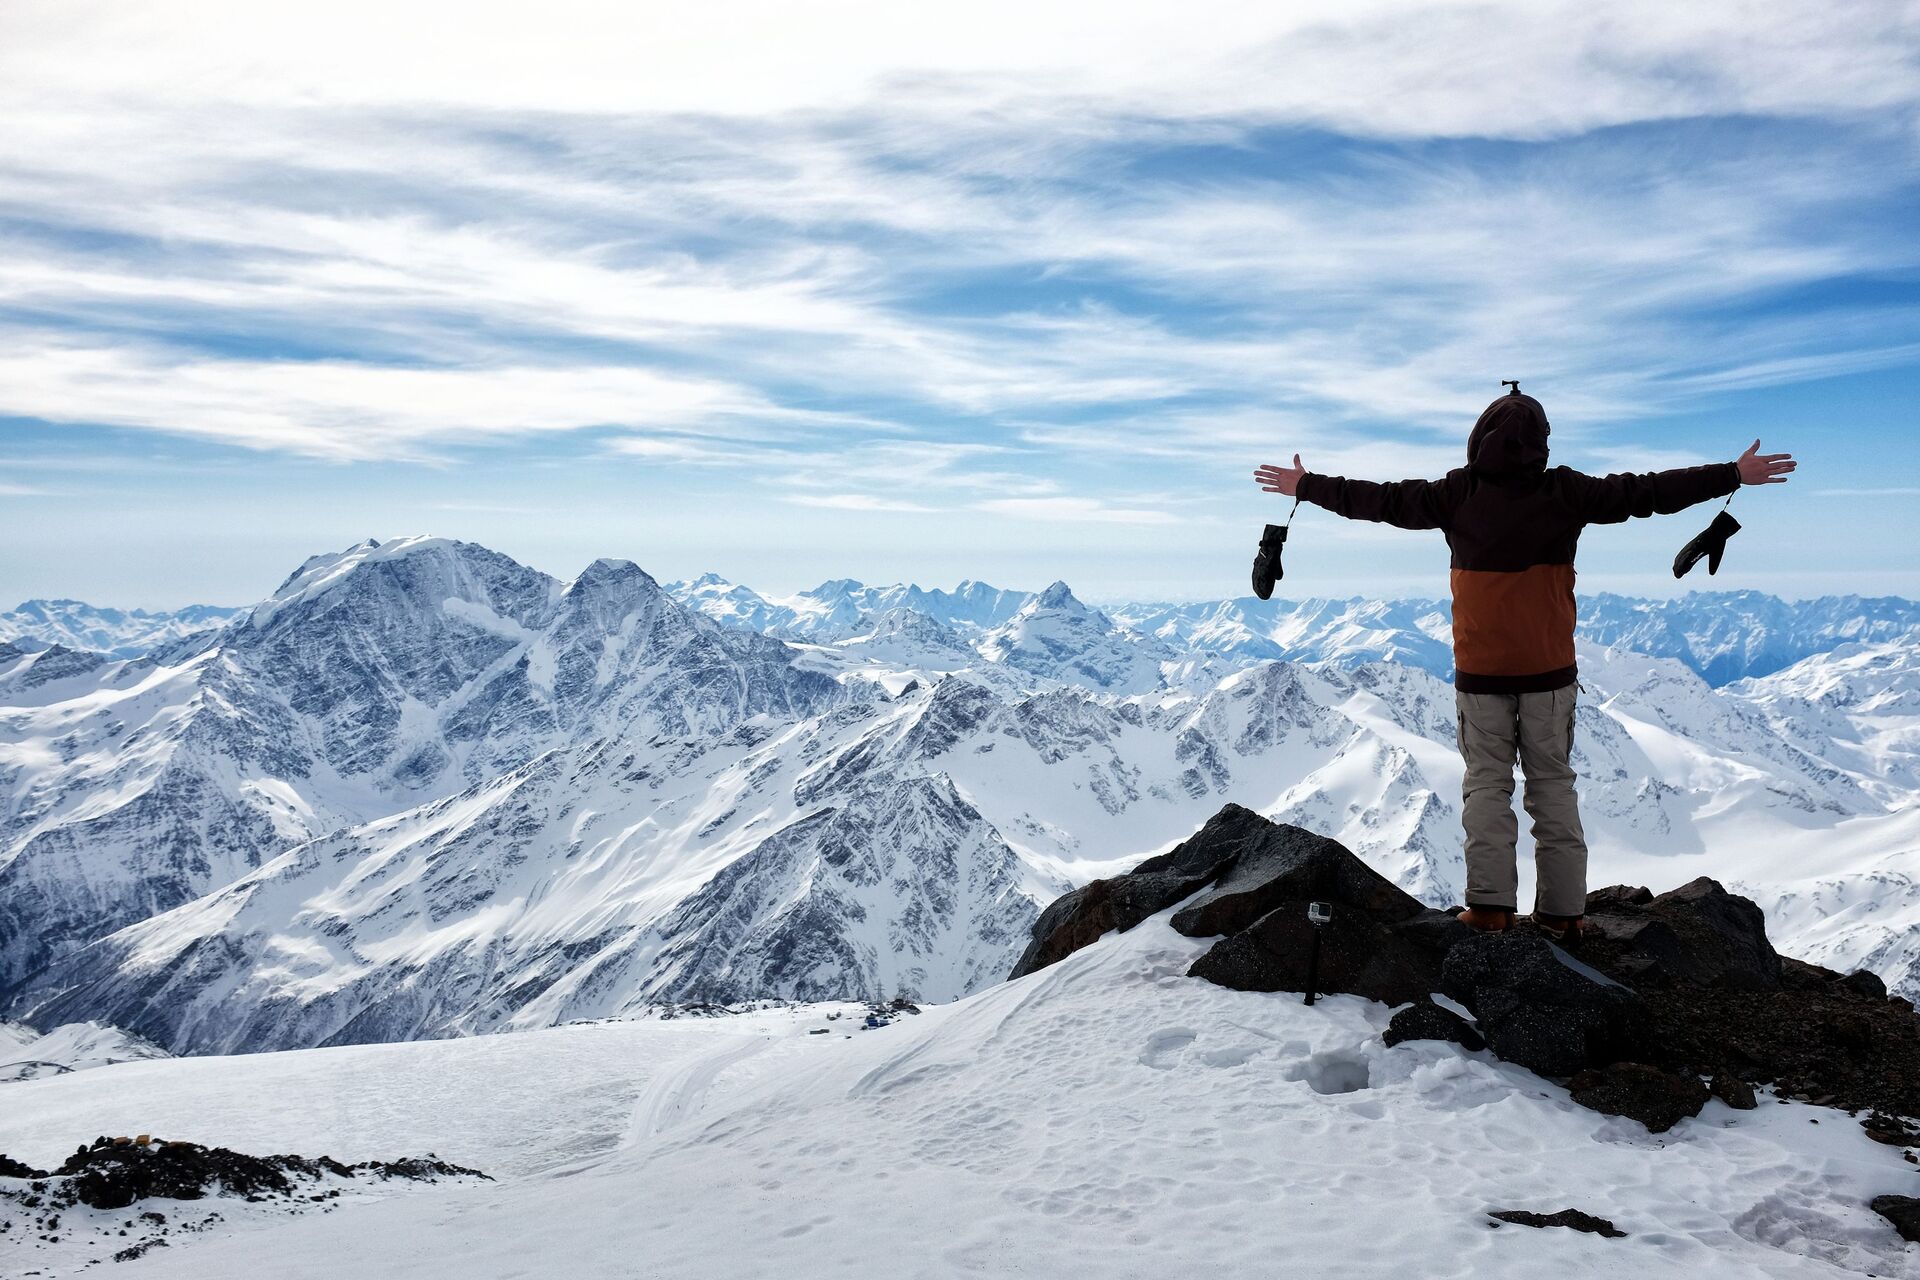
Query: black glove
column 1266, row 564
column 1712, row 543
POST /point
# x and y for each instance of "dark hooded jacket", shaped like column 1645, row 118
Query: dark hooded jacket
column 1513, row 524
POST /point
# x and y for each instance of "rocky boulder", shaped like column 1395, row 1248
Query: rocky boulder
column 1275, row 865
column 1540, row 1007
column 1698, row 935
column 1249, row 868
column 1657, row 1099
column 1903, row 1212
column 1425, row 1020
column 1250, row 880
column 1118, row 903
column 1359, row 955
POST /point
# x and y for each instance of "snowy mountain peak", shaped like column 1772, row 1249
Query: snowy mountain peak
column 412, row 573
column 606, row 577
column 836, row 589
column 1056, row 596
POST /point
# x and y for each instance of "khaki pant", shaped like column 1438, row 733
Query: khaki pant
column 1539, row 727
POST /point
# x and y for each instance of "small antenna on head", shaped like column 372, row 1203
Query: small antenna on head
column 1511, row 382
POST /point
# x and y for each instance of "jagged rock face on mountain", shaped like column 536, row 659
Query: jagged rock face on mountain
column 896, row 890
column 372, row 679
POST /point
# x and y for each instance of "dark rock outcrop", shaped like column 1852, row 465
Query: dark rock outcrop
column 1565, row 1218
column 1540, row 1007
column 1120, row 902
column 1864, row 983
column 11, row 1168
column 1657, row 1099
column 1670, row 989
column 1721, row 1003
column 1425, row 1020
column 1697, row 935
column 1276, row 866
column 1903, row 1212
column 1251, row 880
column 113, row 1173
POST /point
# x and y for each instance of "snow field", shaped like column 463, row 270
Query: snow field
column 1107, row 1116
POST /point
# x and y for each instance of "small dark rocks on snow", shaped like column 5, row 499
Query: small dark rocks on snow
column 117, row 1173
column 1565, row 1218
column 1658, row 1099
column 1733, row 1091
column 1425, row 1020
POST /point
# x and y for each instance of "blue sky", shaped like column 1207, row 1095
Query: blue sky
column 1025, row 293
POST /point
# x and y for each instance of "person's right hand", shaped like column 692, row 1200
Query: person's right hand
column 1763, row 468
column 1283, row 480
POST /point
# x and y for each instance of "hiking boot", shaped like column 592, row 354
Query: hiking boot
column 1266, row 563
column 1486, row 919
column 1565, row 930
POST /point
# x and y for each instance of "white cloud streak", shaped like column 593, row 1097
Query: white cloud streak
column 714, row 247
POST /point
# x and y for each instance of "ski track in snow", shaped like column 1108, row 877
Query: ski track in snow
column 1107, row 1116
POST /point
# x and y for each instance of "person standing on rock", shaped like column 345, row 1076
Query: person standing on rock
column 1513, row 524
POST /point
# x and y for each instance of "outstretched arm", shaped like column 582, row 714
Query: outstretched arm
column 1408, row 504
column 1612, row 499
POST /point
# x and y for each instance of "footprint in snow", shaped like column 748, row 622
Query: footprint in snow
column 1164, row 1047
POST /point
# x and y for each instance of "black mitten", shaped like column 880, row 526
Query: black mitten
column 1266, row 564
column 1712, row 543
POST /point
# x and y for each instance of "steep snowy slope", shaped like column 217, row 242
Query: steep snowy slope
column 373, row 679
column 1107, row 1116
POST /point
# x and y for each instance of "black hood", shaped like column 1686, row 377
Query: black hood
column 1510, row 438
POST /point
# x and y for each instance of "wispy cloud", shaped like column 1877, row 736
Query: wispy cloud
column 855, row 502
column 1072, row 510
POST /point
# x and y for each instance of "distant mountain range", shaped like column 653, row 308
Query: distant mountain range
column 118, row 633
column 423, row 790
column 1722, row 636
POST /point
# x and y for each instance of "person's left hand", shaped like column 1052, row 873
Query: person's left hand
column 1763, row 468
column 1283, row 480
